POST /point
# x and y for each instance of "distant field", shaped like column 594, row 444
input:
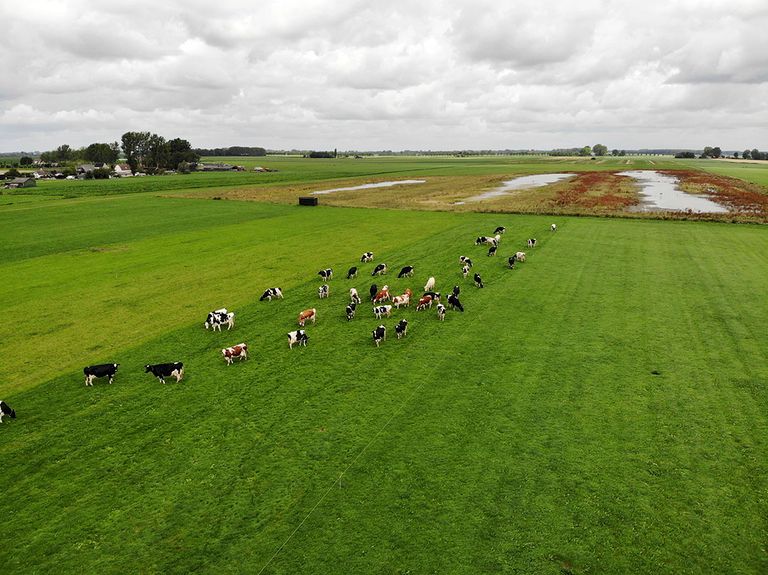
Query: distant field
column 600, row 409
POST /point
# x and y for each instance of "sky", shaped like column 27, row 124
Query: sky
column 393, row 75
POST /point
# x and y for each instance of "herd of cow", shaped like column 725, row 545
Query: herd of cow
column 216, row 319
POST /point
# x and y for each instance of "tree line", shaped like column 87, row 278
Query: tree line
column 717, row 152
column 596, row 150
column 231, row 151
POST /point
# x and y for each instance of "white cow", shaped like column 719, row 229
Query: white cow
column 520, row 256
column 430, row 285
column 354, row 298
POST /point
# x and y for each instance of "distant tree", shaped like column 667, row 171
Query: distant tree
column 101, row 153
column 64, row 153
column 180, row 151
column 716, row 152
column 321, row 155
column 25, row 161
column 135, row 146
column 599, row 150
column 614, row 152
column 623, row 153
column 756, row 154
column 736, row 155
column 746, row 154
column 12, row 173
column 585, row 151
column 687, row 155
column 707, row 153
column 157, row 154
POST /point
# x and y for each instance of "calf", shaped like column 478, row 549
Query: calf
column 478, row 281
column 380, row 269
column 553, row 227
column 532, row 242
column 401, row 329
column 424, row 303
column 323, row 291
column 407, row 271
column 465, row 270
column 5, row 409
column 307, row 314
column 381, row 310
column 454, row 302
column 430, row 285
column 382, row 295
column 500, row 230
column 102, row 370
column 352, row 273
column 373, row 291
column 326, row 274
column 297, row 337
column 366, row 257
column 163, row 370
column 353, row 297
column 379, row 334
column 269, row 293
column 511, row 261
column 212, row 315
column 236, row 351
column 351, row 311
column 492, row 251
column 441, row 312
column 520, row 256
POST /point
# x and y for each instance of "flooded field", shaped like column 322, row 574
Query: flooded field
column 662, row 192
column 369, row 186
column 521, row 183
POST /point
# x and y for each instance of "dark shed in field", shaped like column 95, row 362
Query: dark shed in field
column 307, row 201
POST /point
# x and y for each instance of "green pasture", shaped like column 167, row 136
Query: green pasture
column 600, row 409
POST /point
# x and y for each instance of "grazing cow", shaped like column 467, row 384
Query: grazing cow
column 492, row 251
column 465, row 260
column 382, row 295
column 465, row 270
column 496, row 239
column 500, row 230
column 353, row 297
column 163, row 370
column 408, row 292
column 456, row 291
column 381, row 310
column 307, row 314
column 366, row 257
column 220, row 317
column 299, row 336
column 380, row 269
column 454, row 302
column 351, row 311
column 441, row 312
column 512, row 260
column 553, row 227
column 269, row 293
column 379, row 334
column 323, row 291
column 478, row 281
column 102, row 370
column 373, row 291
column 435, row 295
column 532, row 242
column 520, row 256
column 230, row 353
column 326, row 274
column 401, row 329
column 407, row 271
column 424, row 303
column 481, row 240
column 430, row 285
column 399, row 300
column 5, row 409
column 352, row 273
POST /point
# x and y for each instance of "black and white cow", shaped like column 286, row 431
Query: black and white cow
column 351, row 311
column 441, row 312
column 499, row 230
column 380, row 269
column 352, row 273
column 381, row 310
column 478, row 281
column 373, row 291
column 465, row 260
column 435, row 295
column 481, row 240
column 297, row 337
column 217, row 319
column 353, row 296
column 401, row 329
column 553, row 227
column 492, row 251
column 102, row 370
column 465, row 270
column 512, row 260
column 323, row 291
column 163, row 370
column 269, row 293
column 214, row 315
column 531, row 242
column 454, row 302
column 326, row 274
column 5, row 409
column 236, row 351
column 456, row 291
column 407, row 271
column 366, row 257
column 379, row 334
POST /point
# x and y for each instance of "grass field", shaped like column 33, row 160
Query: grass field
column 600, row 409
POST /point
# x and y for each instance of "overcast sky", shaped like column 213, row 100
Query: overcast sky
column 346, row 74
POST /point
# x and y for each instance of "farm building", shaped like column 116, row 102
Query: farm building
column 122, row 170
column 20, row 183
column 218, row 167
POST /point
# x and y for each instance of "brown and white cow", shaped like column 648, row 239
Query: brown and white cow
column 239, row 351
column 382, row 295
column 307, row 315
column 424, row 303
column 399, row 300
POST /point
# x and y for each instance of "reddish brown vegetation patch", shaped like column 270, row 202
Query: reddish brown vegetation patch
column 737, row 195
column 603, row 191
